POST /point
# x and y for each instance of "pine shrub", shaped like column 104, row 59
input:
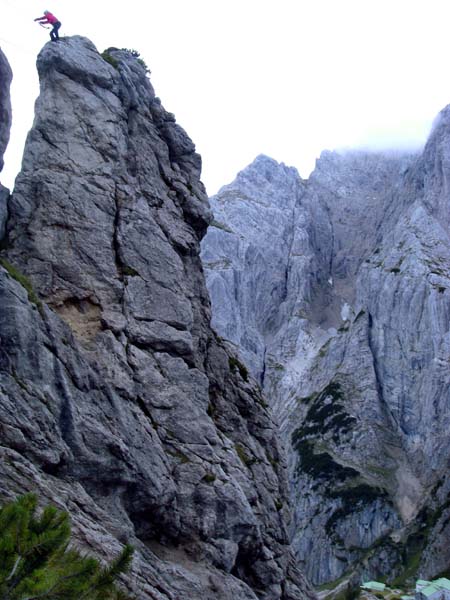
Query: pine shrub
column 36, row 561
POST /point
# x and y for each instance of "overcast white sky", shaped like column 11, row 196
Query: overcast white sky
column 287, row 78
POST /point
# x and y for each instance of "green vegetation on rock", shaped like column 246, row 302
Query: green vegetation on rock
column 37, row 562
column 319, row 465
column 236, row 364
column 23, row 280
column 110, row 59
column 220, row 225
column 326, row 413
column 353, row 497
column 245, row 459
column 137, row 55
column 417, row 541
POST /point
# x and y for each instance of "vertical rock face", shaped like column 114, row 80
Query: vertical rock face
column 248, row 274
column 117, row 400
column 354, row 353
column 5, row 105
column 5, row 126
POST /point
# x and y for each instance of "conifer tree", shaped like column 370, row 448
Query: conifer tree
column 36, row 562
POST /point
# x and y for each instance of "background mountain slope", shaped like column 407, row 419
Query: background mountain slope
column 336, row 293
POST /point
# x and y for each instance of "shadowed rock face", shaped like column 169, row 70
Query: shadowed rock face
column 5, row 105
column 5, row 126
column 117, row 400
column 336, row 293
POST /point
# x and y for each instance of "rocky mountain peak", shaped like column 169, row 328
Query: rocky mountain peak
column 118, row 402
column 267, row 168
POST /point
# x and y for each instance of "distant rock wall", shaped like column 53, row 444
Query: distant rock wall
column 353, row 353
column 117, row 400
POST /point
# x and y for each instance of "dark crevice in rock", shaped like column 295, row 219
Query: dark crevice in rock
column 4, row 217
column 55, row 469
column 144, row 408
column 290, row 235
column 46, row 138
column 333, row 242
column 244, row 565
column 115, row 240
column 173, row 324
column 263, row 369
column 379, row 384
column 165, row 347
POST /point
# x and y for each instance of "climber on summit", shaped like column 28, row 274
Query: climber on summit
column 52, row 20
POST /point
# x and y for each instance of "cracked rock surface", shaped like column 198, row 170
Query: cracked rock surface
column 117, row 400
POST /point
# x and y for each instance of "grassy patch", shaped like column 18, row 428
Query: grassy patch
column 320, row 465
column 351, row 593
column 324, row 349
column 381, row 471
column 236, row 365
column 244, row 458
column 353, row 497
column 278, row 505
column 220, row 225
column 331, row 585
column 180, row 456
column 326, row 413
column 274, row 461
column 23, row 280
column 262, row 402
column 358, row 494
column 19, row 381
column 129, row 271
column 110, row 59
column 306, row 399
column 412, row 557
column 277, row 366
column 137, row 55
column 416, row 544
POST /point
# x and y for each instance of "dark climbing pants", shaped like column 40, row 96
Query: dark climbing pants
column 54, row 35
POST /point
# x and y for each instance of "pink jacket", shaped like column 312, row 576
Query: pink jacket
column 48, row 18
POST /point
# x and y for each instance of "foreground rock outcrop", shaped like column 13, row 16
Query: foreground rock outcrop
column 117, row 400
column 336, row 293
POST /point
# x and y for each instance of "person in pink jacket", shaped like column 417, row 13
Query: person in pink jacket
column 52, row 20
